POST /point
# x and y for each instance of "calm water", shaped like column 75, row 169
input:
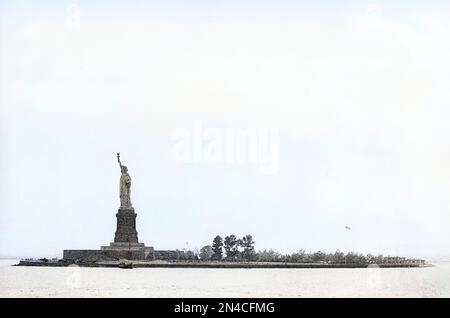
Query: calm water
column 178, row 282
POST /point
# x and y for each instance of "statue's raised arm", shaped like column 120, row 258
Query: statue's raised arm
column 118, row 160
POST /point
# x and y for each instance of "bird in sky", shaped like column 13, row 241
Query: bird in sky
column 347, row 228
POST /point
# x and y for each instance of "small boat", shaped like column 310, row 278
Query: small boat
column 125, row 264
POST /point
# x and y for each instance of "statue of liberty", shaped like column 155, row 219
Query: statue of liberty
column 125, row 185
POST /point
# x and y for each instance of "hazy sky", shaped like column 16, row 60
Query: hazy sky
column 357, row 93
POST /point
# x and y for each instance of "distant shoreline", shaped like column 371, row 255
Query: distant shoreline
column 153, row 264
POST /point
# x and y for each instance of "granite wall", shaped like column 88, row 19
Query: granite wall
column 145, row 253
column 82, row 255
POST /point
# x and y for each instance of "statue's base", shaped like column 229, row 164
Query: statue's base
column 131, row 251
column 126, row 226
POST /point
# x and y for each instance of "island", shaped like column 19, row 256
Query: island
column 229, row 252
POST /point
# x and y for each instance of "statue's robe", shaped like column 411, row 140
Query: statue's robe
column 125, row 185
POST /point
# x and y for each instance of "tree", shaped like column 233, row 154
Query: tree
column 351, row 258
column 298, row 257
column 231, row 247
column 206, row 253
column 189, row 255
column 338, row 257
column 318, row 257
column 361, row 259
column 248, row 246
column 217, row 248
column 267, row 256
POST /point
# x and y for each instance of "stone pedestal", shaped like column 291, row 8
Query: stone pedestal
column 126, row 226
column 126, row 244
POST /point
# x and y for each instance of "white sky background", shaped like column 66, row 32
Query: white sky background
column 360, row 94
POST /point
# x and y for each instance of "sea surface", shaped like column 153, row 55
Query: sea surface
column 74, row 281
